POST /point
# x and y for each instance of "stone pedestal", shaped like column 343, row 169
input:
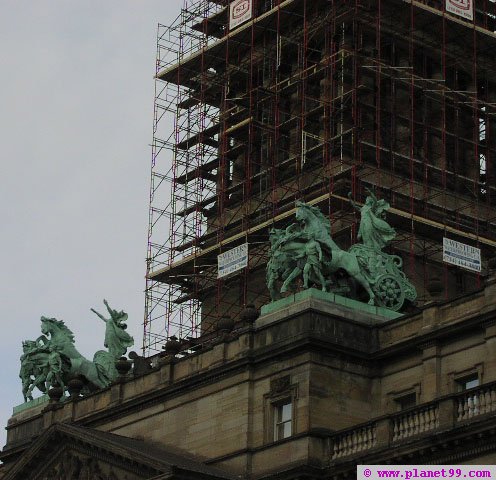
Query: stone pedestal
column 325, row 302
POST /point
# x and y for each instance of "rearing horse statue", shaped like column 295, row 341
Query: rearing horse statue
column 61, row 340
column 317, row 226
column 306, row 249
column 52, row 359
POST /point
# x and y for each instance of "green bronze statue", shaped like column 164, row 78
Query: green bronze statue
column 313, row 263
column 117, row 340
column 374, row 231
column 306, row 252
column 55, row 371
column 52, row 359
column 34, row 368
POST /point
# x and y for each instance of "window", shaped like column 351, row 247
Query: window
column 406, row 401
column 469, row 381
column 283, row 420
column 403, row 399
column 280, row 403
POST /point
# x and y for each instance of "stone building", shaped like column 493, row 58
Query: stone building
column 278, row 101
column 306, row 391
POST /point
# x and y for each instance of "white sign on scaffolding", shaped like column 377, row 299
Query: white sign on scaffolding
column 461, row 255
column 240, row 11
column 462, row 8
column 232, row 260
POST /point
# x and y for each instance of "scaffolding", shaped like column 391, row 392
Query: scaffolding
column 177, row 186
column 311, row 100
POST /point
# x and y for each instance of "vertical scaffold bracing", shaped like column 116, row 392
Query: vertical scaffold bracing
column 314, row 100
column 174, row 218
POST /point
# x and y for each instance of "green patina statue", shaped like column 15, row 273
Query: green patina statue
column 374, row 231
column 117, row 340
column 52, row 359
column 34, row 368
column 306, row 250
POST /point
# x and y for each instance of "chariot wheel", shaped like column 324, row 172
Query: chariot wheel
column 389, row 292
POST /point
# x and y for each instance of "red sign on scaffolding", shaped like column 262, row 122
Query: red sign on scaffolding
column 240, row 11
column 462, row 8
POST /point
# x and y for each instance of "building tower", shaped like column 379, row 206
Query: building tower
column 311, row 100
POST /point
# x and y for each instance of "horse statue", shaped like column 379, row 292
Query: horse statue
column 319, row 227
column 52, row 359
column 310, row 251
column 306, row 249
column 34, row 369
column 62, row 340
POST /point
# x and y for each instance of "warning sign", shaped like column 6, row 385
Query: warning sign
column 462, row 8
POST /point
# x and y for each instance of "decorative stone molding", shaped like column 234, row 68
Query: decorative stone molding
column 281, row 384
column 75, row 467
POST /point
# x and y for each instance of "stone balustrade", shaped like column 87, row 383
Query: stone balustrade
column 418, row 421
column 476, row 401
column 415, row 422
column 386, row 431
column 354, row 441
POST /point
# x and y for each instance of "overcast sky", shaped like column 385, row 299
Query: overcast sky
column 76, row 95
